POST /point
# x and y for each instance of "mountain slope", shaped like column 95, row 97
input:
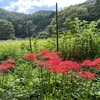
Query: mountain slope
column 10, row 15
column 42, row 12
column 87, row 1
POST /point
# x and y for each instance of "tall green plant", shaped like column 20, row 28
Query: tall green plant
column 82, row 42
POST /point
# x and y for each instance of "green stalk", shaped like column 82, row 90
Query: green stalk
column 49, row 86
column 29, row 74
column 2, row 81
column 63, row 86
column 55, row 81
column 41, row 84
column 89, row 89
column 69, row 90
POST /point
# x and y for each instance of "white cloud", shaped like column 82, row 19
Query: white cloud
column 24, row 5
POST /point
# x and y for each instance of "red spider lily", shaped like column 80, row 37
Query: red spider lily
column 30, row 57
column 10, row 61
column 59, row 53
column 47, row 55
column 52, row 56
column 58, row 69
column 87, row 75
column 52, row 62
column 87, row 63
column 75, row 66
column 43, row 53
column 69, row 51
column 98, row 67
column 75, row 55
column 40, row 63
column 96, row 62
column 3, row 68
column 70, row 65
column 7, row 65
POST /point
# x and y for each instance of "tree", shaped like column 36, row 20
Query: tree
column 30, row 27
column 6, row 30
column 97, row 2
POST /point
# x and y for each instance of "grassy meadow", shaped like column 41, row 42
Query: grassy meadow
column 46, row 74
column 14, row 48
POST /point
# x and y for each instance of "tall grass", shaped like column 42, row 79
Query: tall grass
column 16, row 48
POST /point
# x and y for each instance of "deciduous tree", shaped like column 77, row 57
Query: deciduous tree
column 6, row 30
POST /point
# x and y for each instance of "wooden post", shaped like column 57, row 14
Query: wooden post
column 57, row 25
column 30, row 42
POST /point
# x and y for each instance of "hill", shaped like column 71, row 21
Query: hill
column 87, row 1
column 89, row 11
column 10, row 15
column 44, row 21
column 42, row 12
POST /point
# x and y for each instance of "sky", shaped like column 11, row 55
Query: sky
column 31, row 6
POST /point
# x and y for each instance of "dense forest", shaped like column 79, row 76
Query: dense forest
column 42, row 23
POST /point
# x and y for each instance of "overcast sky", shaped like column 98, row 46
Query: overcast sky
column 31, row 6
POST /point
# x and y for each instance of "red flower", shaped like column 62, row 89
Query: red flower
column 98, row 67
column 87, row 63
column 69, row 65
column 87, row 75
column 52, row 62
column 3, row 68
column 96, row 62
column 40, row 63
column 69, row 51
column 43, row 53
column 75, row 66
column 7, row 65
column 58, row 69
column 30, row 56
column 59, row 53
column 10, row 61
column 47, row 55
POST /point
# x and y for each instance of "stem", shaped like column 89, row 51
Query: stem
column 49, row 85
column 41, row 83
column 29, row 74
column 55, row 86
column 69, row 90
column 89, row 89
column 30, row 69
column 63, row 92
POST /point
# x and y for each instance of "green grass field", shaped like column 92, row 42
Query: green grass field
column 16, row 48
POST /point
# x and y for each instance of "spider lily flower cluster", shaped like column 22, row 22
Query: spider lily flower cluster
column 60, row 75
column 53, row 62
column 8, row 64
column 51, row 76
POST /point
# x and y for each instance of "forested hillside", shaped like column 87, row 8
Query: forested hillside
column 87, row 1
column 4, row 14
column 43, row 22
column 39, row 19
column 89, row 11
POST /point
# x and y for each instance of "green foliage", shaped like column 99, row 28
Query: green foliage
column 40, row 21
column 81, row 41
column 4, row 14
column 29, row 81
column 42, row 12
column 6, row 30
